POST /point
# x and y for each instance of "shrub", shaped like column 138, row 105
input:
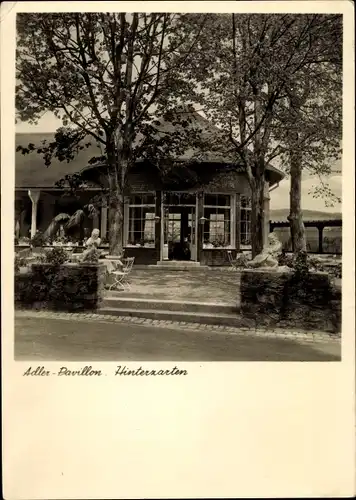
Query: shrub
column 57, row 256
column 92, row 256
column 334, row 269
column 301, row 264
column 67, row 288
column 219, row 241
column 41, row 258
column 38, row 240
column 19, row 262
column 286, row 260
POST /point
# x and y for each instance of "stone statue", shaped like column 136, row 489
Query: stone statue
column 94, row 240
column 268, row 258
column 92, row 244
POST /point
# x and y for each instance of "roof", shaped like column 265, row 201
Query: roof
column 31, row 171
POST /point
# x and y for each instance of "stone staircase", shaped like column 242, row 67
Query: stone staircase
column 179, row 265
column 207, row 313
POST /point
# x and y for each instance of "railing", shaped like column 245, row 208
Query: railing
column 327, row 244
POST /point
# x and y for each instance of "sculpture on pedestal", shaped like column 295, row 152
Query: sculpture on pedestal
column 92, row 245
column 268, row 258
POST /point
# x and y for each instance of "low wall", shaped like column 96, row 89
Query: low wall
column 69, row 287
column 216, row 257
column 286, row 299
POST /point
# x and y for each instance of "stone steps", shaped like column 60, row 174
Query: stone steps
column 114, row 301
column 205, row 318
column 209, row 313
column 179, row 265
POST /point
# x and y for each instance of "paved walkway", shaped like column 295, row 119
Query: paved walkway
column 79, row 337
column 219, row 286
column 300, row 335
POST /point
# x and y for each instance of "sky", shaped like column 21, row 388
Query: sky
column 279, row 196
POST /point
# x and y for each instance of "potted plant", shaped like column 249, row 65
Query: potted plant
column 56, row 256
column 37, row 240
column 24, row 241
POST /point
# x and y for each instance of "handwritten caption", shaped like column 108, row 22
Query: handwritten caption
column 89, row 371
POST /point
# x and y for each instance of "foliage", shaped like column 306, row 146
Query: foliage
column 220, row 241
column 106, row 77
column 300, row 266
column 286, row 260
column 290, row 300
column 92, row 256
column 244, row 73
column 56, row 256
column 65, row 288
column 334, row 270
column 41, row 258
column 19, row 262
column 38, row 240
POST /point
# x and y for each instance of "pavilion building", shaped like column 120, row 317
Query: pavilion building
column 209, row 213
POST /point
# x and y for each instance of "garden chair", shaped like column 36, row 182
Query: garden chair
column 232, row 262
column 120, row 276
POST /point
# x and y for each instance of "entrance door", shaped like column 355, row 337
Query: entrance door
column 179, row 231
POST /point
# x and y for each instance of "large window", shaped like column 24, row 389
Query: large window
column 217, row 223
column 245, row 225
column 141, row 221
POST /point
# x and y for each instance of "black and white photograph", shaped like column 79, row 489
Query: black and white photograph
column 178, row 266
column 178, row 186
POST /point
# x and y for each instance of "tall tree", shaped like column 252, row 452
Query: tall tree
column 103, row 75
column 310, row 123
column 244, row 71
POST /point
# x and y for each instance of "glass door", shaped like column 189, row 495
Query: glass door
column 178, row 228
column 192, row 234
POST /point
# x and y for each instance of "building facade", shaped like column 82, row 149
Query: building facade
column 199, row 219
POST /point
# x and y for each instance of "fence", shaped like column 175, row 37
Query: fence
column 317, row 240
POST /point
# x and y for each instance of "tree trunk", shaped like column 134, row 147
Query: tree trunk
column 117, row 179
column 257, row 218
column 116, row 224
column 295, row 218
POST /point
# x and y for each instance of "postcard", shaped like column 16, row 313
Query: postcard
column 178, row 249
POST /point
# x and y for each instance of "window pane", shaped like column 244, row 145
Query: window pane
column 224, row 212
column 141, row 230
column 223, row 200
column 142, row 199
column 245, row 215
column 210, row 199
column 148, row 199
column 180, row 199
column 187, row 199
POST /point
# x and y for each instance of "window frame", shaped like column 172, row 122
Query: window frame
column 231, row 220
column 128, row 219
column 246, row 209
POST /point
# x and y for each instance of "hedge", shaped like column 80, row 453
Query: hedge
column 290, row 299
column 66, row 287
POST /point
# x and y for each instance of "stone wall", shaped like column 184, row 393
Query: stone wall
column 290, row 300
column 69, row 287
